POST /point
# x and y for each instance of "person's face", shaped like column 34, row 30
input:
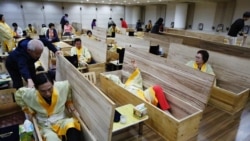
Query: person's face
column 46, row 89
column 67, row 24
column 52, row 27
column 89, row 34
column 35, row 54
column 198, row 59
column 78, row 44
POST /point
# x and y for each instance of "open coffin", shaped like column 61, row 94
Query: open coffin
column 187, row 94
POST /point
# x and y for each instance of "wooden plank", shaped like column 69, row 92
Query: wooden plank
column 100, row 33
column 95, row 109
column 45, row 58
column 98, row 49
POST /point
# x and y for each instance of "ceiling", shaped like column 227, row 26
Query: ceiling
column 135, row 2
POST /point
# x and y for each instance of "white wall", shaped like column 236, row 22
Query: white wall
column 204, row 13
column 132, row 14
column 151, row 13
column 170, row 14
column 180, row 15
column 33, row 13
column 241, row 7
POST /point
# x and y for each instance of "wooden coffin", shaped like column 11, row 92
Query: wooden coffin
column 187, row 94
column 231, row 90
column 94, row 108
column 98, row 52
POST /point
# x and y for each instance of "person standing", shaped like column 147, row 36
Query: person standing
column 63, row 21
column 138, row 25
column 110, row 22
column 123, row 23
column 237, row 27
column 21, row 62
column 93, row 24
column 18, row 32
column 6, row 35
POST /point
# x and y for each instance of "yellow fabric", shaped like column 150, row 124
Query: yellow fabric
column 6, row 37
column 83, row 54
column 205, row 67
column 71, row 123
column 79, row 52
column 135, row 79
column 150, row 96
column 49, row 108
column 30, row 98
column 31, row 30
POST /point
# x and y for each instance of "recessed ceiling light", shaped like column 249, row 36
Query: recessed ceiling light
column 138, row 2
column 102, row 1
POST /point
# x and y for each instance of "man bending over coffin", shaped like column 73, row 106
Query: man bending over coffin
column 20, row 62
column 200, row 62
column 47, row 102
column 83, row 54
column 153, row 94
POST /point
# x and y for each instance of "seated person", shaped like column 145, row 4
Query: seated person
column 83, row 54
column 18, row 32
column 90, row 36
column 67, row 29
column 30, row 29
column 47, row 102
column 112, row 30
column 43, row 30
column 153, row 94
column 200, row 62
column 51, row 33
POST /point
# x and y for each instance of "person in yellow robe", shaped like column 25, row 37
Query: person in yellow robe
column 134, row 84
column 47, row 102
column 83, row 54
column 200, row 62
column 112, row 30
column 91, row 36
column 6, row 35
column 30, row 29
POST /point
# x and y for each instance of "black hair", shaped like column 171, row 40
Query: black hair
column 66, row 15
column 67, row 22
column 246, row 14
column 113, row 24
column 14, row 24
column 42, row 78
column 121, row 19
column 43, row 25
column 89, row 32
column 78, row 39
column 205, row 55
column 110, row 18
column 94, row 20
column 1, row 16
column 29, row 25
column 159, row 21
column 51, row 24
